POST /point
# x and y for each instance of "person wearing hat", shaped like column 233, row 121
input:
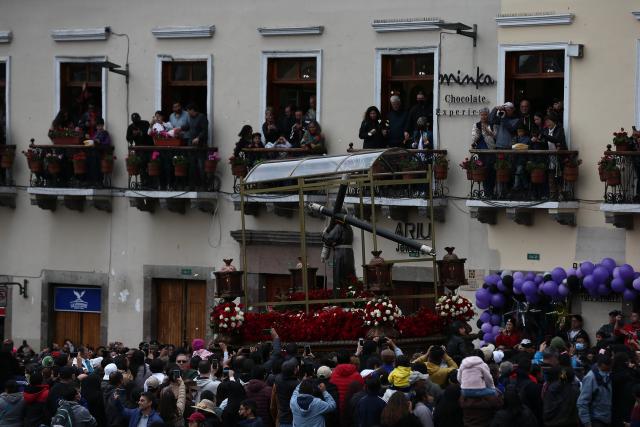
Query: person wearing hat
column 323, row 375
column 196, row 419
column 505, row 122
column 207, row 408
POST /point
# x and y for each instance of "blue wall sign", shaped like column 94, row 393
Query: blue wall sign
column 86, row 300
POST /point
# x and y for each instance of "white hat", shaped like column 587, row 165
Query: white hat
column 323, row 372
column 508, row 105
column 498, row 355
column 487, row 351
column 95, row 363
column 108, row 370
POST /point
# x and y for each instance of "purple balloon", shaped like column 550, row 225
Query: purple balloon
column 626, row 272
column 589, row 282
column 483, row 295
column 587, row 268
column 636, row 284
column 629, row 295
column 579, row 274
column 608, row 263
column 518, row 275
column 600, row 274
column 617, row 285
column 485, row 316
column 636, row 274
column 538, row 279
column 517, row 290
column 482, row 305
column 616, row 272
column 501, row 286
column 529, row 276
column 486, row 328
column 492, row 279
column 495, row 330
column 571, row 271
column 496, row 319
column 550, row 288
column 558, row 275
column 603, row 289
column 563, row 290
column 490, row 338
column 529, row 288
column 497, row 300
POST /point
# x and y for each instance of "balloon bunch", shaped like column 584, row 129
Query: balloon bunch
column 500, row 291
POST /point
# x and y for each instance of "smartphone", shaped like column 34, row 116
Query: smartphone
column 361, row 342
column 225, row 372
column 307, row 349
column 266, row 331
column 175, row 374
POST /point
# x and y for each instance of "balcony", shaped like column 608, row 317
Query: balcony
column 173, row 178
column 70, row 175
column 7, row 185
column 521, row 182
column 394, row 201
column 619, row 171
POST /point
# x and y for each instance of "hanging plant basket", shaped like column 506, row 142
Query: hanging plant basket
column 79, row 167
column 503, row 175
column 133, row 169
column 106, row 166
column 538, row 176
column 613, row 177
column 35, row 166
column 210, row 166
column 180, row 169
column 570, row 173
column 7, row 159
column 440, row 171
column 479, row 174
column 622, row 147
column 603, row 174
column 153, row 169
column 239, row 170
column 469, row 175
column 66, row 140
column 53, row 168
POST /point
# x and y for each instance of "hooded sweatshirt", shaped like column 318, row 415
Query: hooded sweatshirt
column 260, row 392
column 343, row 375
column 308, row 410
column 35, row 399
column 12, row 409
column 399, row 377
column 474, row 374
column 206, row 383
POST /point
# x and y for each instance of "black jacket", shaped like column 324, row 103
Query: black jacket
column 417, row 111
column 142, row 138
column 284, row 390
column 507, row 418
column 371, row 133
column 397, row 123
column 559, row 408
column 557, row 137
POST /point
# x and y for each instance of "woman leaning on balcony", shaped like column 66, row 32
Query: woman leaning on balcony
column 483, row 137
column 372, row 131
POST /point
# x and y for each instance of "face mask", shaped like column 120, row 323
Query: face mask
column 421, row 102
column 579, row 346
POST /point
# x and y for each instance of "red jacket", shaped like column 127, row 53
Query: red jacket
column 342, row 376
column 630, row 332
column 508, row 341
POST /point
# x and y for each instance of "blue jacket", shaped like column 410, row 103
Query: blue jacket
column 594, row 402
column 134, row 415
column 308, row 410
column 369, row 410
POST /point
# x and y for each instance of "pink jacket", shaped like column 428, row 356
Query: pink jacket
column 474, row 374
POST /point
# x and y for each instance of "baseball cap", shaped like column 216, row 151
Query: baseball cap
column 108, row 370
column 152, row 383
column 526, row 343
column 196, row 417
column 324, row 372
column 47, row 362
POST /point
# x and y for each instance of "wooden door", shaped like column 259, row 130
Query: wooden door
column 80, row 328
column 181, row 310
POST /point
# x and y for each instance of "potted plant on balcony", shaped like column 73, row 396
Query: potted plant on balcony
column 153, row 167
column 611, row 170
column 211, row 163
column 166, row 138
column 537, row 171
column 35, row 159
column 133, row 163
column 8, row 155
column 440, row 166
column 570, row 171
column 466, row 165
column 621, row 140
column 54, row 163
column 79, row 163
column 605, row 164
column 65, row 136
column 503, row 169
column 478, row 170
column 106, row 164
column 238, row 166
column 180, row 165
column 409, row 165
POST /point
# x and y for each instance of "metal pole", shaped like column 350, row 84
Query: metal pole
column 303, row 243
column 433, row 232
column 244, row 248
column 362, row 240
column 373, row 210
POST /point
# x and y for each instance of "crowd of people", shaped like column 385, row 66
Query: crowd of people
column 505, row 128
column 562, row 380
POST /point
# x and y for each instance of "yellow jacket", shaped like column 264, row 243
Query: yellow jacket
column 399, row 377
column 438, row 374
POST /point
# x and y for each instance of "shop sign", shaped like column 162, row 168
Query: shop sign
column 185, row 272
column 415, row 231
column 533, row 257
column 480, row 79
column 468, row 104
column 85, row 300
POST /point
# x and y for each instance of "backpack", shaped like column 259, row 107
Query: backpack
column 63, row 416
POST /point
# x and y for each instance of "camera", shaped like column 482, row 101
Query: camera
column 500, row 113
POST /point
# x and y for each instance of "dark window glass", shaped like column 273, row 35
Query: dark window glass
column 528, row 63
column 424, row 65
column 199, row 71
column 401, row 65
column 180, row 72
column 287, row 69
column 553, row 62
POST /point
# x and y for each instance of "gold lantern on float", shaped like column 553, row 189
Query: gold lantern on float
column 297, row 274
column 377, row 274
column 229, row 281
column 451, row 270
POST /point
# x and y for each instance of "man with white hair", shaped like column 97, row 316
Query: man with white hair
column 396, row 121
column 506, row 123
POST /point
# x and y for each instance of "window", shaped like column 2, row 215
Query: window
column 405, row 76
column 3, row 102
column 291, row 81
column 186, row 82
column 535, row 75
column 80, row 86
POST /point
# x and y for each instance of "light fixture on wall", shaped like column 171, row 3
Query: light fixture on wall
column 115, row 68
column 460, row 28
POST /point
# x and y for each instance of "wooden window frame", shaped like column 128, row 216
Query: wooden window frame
column 59, row 60
column 5, row 86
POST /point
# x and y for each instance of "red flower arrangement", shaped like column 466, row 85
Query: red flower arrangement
column 227, row 318
column 454, row 307
column 381, row 312
column 422, row 323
